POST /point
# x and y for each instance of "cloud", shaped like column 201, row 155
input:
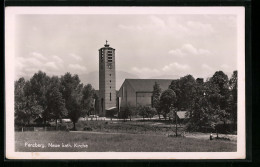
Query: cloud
column 38, row 55
column 27, row 66
column 57, row 59
column 131, row 27
column 206, row 67
column 188, row 49
column 176, row 66
column 173, row 68
column 76, row 57
column 171, row 26
column 158, row 21
column 51, row 65
column 198, row 26
column 77, row 67
column 30, row 61
column 225, row 67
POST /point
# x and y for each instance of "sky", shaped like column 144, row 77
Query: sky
column 146, row 45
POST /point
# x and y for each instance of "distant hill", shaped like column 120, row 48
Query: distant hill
column 93, row 78
column 166, row 77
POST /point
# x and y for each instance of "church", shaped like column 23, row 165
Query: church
column 132, row 93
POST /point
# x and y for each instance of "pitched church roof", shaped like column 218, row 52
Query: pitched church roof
column 146, row 85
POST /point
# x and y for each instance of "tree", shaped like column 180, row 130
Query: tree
column 185, row 91
column 127, row 112
column 150, row 111
column 75, row 110
column 167, row 101
column 130, row 111
column 56, row 104
column 54, row 82
column 232, row 101
column 71, row 92
column 96, row 102
column 87, row 99
column 201, row 113
column 156, row 98
column 38, row 87
column 19, row 100
column 26, row 105
column 142, row 111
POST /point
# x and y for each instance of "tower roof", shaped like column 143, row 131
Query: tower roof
column 106, row 46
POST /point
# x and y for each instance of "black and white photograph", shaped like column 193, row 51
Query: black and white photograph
column 125, row 82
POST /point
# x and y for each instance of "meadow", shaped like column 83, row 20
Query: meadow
column 85, row 141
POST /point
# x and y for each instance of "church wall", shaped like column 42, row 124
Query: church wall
column 127, row 94
column 144, row 98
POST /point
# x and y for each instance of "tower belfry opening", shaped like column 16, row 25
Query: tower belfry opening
column 107, row 78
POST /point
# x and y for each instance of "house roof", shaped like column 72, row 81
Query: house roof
column 181, row 114
column 146, row 85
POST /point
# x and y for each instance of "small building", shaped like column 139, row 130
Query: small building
column 135, row 92
column 182, row 115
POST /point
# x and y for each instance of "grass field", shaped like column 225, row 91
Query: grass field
column 103, row 142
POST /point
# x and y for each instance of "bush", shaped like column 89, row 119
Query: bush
column 87, row 128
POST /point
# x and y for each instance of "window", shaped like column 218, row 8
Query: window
column 110, row 74
column 110, row 96
column 152, row 101
column 110, row 80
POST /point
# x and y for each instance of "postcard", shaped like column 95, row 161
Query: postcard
column 125, row 83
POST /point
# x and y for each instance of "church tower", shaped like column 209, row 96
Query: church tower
column 107, row 79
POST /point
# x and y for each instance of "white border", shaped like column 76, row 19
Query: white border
column 11, row 12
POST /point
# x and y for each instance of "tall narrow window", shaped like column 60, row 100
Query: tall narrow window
column 152, row 101
column 110, row 96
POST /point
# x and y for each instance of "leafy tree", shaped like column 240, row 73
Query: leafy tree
column 87, row 99
column 19, row 99
column 220, row 79
column 71, row 92
column 201, row 113
column 220, row 103
column 232, row 101
column 56, row 104
column 96, row 102
column 156, row 98
column 54, row 83
column 142, row 111
column 150, row 111
column 130, row 111
column 38, row 87
column 75, row 109
column 167, row 101
column 127, row 112
column 185, row 91
column 26, row 105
